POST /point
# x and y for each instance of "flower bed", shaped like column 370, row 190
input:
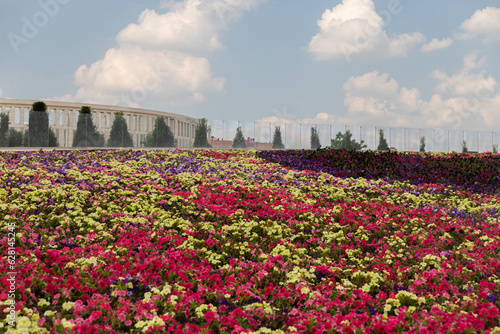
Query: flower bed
column 474, row 172
column 218, row 241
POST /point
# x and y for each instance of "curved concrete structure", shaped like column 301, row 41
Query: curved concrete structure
column 63, row 117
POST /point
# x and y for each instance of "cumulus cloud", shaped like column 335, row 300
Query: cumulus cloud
column 467, row 100
column 189, row 26
column 484, row 22
column 163, row 54
column 466, row 82
column 354, row 30
column 436, row 44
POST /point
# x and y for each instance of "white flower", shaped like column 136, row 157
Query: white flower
column 23, row 322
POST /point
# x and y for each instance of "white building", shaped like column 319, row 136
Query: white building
column 64, row 115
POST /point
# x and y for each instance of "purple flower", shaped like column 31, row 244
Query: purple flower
column 492, row 298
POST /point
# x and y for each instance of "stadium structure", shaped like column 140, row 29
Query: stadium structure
column 63, row 118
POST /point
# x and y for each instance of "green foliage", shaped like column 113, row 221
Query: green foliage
column 315, row 144
column 39, row 106
column 25, row 139
column 86, row 110
column 382, row 142
column 422, row 144
column 495, row 148
column 200, row 136
column 86, row 134
column 464, row 147
column 38, row 129
column 239, row 139
column 345, row 141
column 15, row 138
column 119, row 135
column 161, row 136
column 4, row 130
column 277, row 141
column 53, row 142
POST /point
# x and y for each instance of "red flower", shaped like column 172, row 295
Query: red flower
column 96, row 314
column 209, row 316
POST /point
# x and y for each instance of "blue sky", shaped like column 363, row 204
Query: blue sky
column 355, row 62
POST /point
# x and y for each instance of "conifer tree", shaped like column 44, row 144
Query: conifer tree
column 464, row 147
column 200, row 137
column 315, row 143
column 277, row 141
column 119, row 135
column 382, row 142
column 422, row 144
column 4, row 130
column 15, row 138
column 86, row 134
column 161, row 136
column 38, row 127
column 239, row 139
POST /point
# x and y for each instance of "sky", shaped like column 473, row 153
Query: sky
column 400, row 63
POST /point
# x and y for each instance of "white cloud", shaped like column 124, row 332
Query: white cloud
column 353, row 29
column 162, row 55
column 465, row 83
column 484, row 22
column 437, row 44
column 189, row 26
column 127, row 75
column 467, row 100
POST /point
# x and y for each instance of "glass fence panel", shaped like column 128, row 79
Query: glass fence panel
column 263, row 132
column 72, row 129
column 368, row 137
column 441, row 140
column 411, row 140
column 471, row 139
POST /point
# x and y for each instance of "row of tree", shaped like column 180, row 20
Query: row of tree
column 341, row 141
column 39, row 134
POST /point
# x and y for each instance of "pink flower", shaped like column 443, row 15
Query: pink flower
column 96, row 315
column 209, row 316
column 121, row 316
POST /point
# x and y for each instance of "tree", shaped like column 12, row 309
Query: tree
column 53, row 142
column 315, row 144
column 239, row 140
column 86, row 134
column 345, row 141
column 200, row 136
column 161, row 136
column 464, row 147
column 277, row 141
column 119, row 135
column 15, row 138
column 38, row 128
column 4, row 130
column 382, row 143
column 495, row 148
column 422, row 144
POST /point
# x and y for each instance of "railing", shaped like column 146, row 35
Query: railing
column 91, row 133
column 298, row 136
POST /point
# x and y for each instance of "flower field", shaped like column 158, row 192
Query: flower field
column 243, row 241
